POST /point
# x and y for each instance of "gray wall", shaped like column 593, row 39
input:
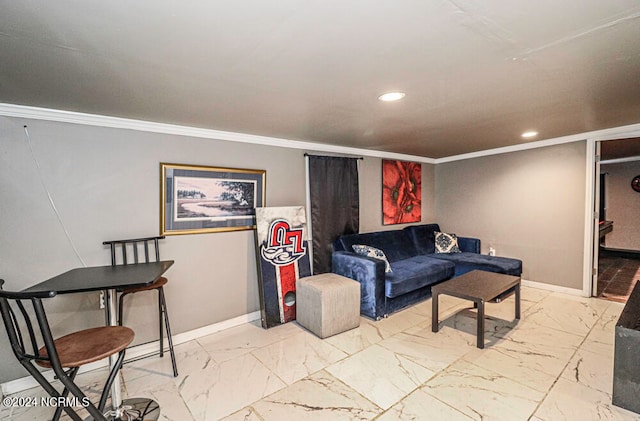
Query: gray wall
column 527, row 204
column 623, row 205
column 105, row 185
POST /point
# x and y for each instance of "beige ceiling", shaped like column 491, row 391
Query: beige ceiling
column 622, row 148
column 476, row 73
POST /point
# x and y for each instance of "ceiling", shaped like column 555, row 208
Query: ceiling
column 621, row 148
column 476, row 73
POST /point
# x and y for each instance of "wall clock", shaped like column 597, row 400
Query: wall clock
column 635, row 183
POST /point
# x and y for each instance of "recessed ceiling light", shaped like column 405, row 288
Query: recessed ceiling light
column 391, row 96
column 529, row 134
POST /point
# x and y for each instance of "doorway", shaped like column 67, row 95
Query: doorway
column 617, row 239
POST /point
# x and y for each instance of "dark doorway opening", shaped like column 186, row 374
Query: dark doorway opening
column 618, row 263
column 618, row 273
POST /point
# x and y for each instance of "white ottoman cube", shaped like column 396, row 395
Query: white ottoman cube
column 327, row 304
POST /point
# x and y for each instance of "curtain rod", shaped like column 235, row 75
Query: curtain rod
column 336, row 156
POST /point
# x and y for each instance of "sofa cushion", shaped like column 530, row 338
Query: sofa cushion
column 372, row 252
column 423, row 237
column 395, row 244
column 466, row 262
column 446, row 243
column 416, row 272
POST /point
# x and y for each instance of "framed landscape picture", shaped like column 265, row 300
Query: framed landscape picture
column 200, row 199
column 401, row 192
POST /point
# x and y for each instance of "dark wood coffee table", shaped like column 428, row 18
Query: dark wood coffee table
column 477, row 286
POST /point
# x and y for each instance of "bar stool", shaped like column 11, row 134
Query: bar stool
column 130, row 254
column 64, row 355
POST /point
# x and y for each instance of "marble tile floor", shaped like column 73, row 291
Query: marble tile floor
column 554, row 364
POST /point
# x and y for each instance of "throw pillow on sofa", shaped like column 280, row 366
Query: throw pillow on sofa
column 372, row 252
column 446, row 243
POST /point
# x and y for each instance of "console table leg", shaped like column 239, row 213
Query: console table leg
column 518, row 301
column 480, row 333
column 434, row 312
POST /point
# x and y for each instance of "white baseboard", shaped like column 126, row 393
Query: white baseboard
column 135, row 352
column 554, row 288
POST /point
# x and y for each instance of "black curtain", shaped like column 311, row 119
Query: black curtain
column 335, row 205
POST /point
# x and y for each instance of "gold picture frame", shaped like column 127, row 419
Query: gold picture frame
column 198, row 199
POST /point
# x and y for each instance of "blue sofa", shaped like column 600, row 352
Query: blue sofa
column 415, row 266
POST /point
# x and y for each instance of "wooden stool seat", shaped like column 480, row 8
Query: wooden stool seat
column 32, row 343
column 155, row 285
column 89, row 345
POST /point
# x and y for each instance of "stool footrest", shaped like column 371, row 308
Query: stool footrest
column 327, row 304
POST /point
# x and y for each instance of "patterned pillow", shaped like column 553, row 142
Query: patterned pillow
column 372, row 252
column 446, row 243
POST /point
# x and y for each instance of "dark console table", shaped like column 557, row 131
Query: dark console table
column 605, row 228
column 626, row 359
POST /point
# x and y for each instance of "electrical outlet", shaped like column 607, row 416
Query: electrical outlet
column 492, row 251
column 101, row 300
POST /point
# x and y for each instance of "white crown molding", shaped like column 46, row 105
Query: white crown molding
column 22, row 111
column 618, row 133
column 622, row 132
column 36, row 113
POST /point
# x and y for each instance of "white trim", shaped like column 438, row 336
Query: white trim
column 620, row 160
column 632, row 131
column 587, row 260
column 37, row 113
column 621, row 132
column 625, row 132
column 135, row 352
column 21, row 111
column 554, row 288
column 216, row 327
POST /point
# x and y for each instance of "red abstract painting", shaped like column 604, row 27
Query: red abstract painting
column 401, row 192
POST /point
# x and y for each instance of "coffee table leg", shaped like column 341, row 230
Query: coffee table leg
column 518, row 301
column 480, row 332
column 434, row 312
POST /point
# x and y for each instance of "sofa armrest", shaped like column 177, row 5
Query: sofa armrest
column 369, row 272
column 469, row 244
